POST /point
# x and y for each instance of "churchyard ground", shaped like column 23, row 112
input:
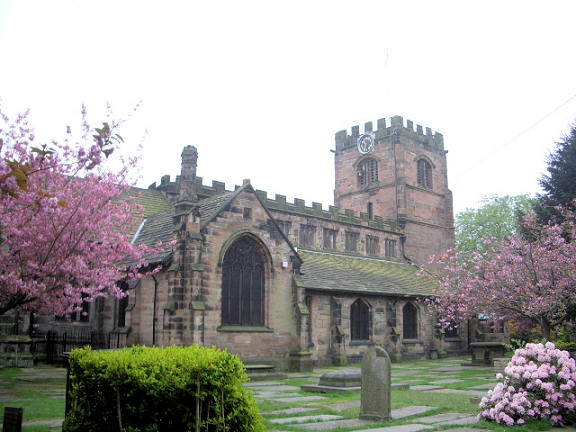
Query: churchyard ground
column 443, row 395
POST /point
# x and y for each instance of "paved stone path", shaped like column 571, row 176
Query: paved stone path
column 436, row 377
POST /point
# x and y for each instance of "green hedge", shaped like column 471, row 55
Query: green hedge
column 159, row 389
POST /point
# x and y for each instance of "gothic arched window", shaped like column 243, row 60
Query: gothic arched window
column 359, row 321
column 410, row 321
column 424, row 173
column 243, row 284
column 367, row 172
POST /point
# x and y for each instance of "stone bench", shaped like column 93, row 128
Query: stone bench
column 484, row 353
column 259, row 372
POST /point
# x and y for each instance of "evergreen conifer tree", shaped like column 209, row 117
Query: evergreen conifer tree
column 559, row 184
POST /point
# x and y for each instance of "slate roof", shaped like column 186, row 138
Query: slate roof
column 155, row 228
column 343, row 273
column 158, row 224
column 152, row 200
column 210, row 207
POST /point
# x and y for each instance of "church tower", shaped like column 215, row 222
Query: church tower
column 399, row 173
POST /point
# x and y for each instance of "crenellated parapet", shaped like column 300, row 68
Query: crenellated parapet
column 280, row 204
column 396, row 127
column 316, row 210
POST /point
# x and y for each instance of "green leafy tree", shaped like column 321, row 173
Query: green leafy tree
column 497, row 218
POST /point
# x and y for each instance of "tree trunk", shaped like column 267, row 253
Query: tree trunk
column 545, row 326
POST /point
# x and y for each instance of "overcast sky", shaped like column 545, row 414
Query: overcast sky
column 261, row 87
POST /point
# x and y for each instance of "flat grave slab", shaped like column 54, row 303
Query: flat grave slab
column 403, row 428
column 304, row 419
column 444, row 417
column 289, row 411
column 472, row 393
column 330, row 389
column 447, row 381
column 465, row 429
column 299, row 399
column 262, row 383
column 272, row 395
column 345, row 405
column 333, row 424
column 341, row 381
column 410, row 411
column 468, row 420
column 451, row 369
column 425, row 387
column 487, row 386
column 342, row 378
column 279, row 388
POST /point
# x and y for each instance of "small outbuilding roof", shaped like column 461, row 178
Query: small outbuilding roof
column 356, row 274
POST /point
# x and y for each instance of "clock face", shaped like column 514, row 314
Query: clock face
column 365, row 143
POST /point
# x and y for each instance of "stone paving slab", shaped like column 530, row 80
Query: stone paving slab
column 487, row 386
column 279, row 388
column 262, row 383
column 477, row 393
column 272, row 395
column 441, row 418
column 289, row 411
column 10, row 398
column 468, row 420
column 333, row 424
column 404, row 372
column 403, row 428
column 410, row 411
column 447, row 381
column 299, row 399
column 345, row 405
column 304, row 419
column 333, row 389
column 425, row 387
column 454, row 368
column 465, row 429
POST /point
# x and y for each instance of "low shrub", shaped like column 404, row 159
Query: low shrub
column 538, row 383
column 159, row 389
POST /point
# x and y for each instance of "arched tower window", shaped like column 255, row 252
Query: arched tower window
column 424, row 173
column 243, row 273
column 359, row 321
column 410, row 321
column 367, row 172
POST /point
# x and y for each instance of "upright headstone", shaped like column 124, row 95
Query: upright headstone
column 375, row 400
column 13, row 419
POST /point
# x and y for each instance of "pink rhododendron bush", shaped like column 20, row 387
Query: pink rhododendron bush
column 539, row 383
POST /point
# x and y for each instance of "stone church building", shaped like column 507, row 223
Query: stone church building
column 292, row 284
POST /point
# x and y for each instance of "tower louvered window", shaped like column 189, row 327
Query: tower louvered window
column 367, row 172
column 424, row 173
column 243, row 284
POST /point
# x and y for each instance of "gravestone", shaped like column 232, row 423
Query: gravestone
column 13, row 419
column 376, row 380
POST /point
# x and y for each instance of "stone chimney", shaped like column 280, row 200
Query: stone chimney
column 187, row 187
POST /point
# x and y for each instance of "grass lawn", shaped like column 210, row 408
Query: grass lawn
column 40, row 392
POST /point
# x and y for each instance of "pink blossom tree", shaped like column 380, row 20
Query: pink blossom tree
column 528, row 280
column 65, row 219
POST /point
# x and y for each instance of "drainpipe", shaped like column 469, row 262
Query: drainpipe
column 154, row 311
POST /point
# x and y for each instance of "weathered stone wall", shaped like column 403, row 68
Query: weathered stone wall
column 279, row 335
column 425, row 213
column 385, row 330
